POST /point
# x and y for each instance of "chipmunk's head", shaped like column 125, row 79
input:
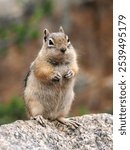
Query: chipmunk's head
column 57, row 45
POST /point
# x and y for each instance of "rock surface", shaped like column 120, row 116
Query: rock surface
column 95, row 133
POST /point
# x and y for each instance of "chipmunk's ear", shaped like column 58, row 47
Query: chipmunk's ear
column 46, row 34
column 61, row 29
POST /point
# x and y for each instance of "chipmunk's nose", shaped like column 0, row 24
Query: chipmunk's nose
column 63, row 50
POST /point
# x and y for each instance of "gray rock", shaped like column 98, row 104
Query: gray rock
column 95, row 133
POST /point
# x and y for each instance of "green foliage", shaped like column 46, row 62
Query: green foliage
column 42, row 9
column 48, row 6
column 12, row 111
column 3, row 33
column 33, row 33
column 27, row 28
column 20, row 32
column 83, row 110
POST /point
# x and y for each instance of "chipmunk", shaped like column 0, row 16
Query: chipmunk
column 49, row 84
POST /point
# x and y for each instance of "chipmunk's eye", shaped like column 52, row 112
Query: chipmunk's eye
column 50, row 42
column 68, row 40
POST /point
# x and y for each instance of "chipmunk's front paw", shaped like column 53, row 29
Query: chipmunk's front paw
column 56, row 76
column 69, row 74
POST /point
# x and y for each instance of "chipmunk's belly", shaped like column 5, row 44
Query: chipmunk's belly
column 54, row 100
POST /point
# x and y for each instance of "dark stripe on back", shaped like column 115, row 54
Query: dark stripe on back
column 26, row 78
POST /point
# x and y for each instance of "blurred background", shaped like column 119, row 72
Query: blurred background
column 89, row 26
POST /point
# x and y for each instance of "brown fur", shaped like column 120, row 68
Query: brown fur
column 49, row 90
column 42, row 72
